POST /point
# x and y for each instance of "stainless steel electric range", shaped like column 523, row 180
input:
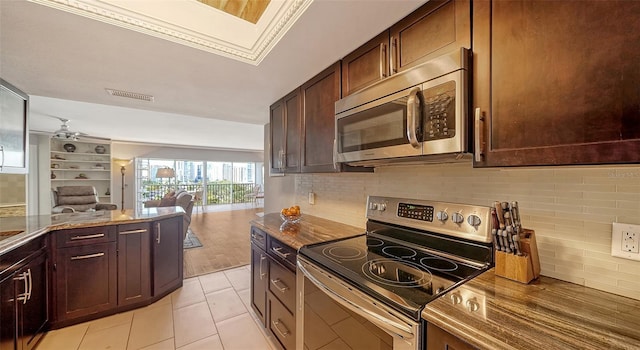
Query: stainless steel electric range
column 367, row 292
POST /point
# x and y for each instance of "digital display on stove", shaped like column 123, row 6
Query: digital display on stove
column 417, row 212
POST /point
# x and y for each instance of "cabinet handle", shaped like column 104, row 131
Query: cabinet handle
column 133, row 231
column 413, row 112
column 393, row 60
column 2, row 152
column 278, row 252
column 89, row 256
column 477, row 137
column 158, row 233
column 276, row 325
column 97, row 235
column 24, row 277
column 335, row 154
column 257, row 238
column 283, row 288
column 262, row 274
column 30, row 284
column 383, row 60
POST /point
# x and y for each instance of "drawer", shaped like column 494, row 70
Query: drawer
column 259, row 238
column 84, row 236
column 133, row 228
column 282, row 324
column 282, row 284
column 282, row 253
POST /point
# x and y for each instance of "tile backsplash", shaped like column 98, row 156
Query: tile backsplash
column 570, row 208
column 12, row 189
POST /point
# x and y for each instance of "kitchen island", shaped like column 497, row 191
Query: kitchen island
column 64, row 269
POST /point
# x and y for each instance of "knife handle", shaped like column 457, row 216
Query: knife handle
column 496, row 240
column 500, row 214
column 494, row 219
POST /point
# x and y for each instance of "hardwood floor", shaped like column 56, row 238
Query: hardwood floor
column 225, row 241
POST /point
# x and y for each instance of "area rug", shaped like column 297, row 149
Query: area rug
column 191, row 241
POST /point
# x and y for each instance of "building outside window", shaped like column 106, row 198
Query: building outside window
column 220, row 182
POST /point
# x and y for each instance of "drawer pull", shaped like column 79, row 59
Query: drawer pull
column 97, row 235
column 90, row 256
column 276, row 282
column 133, row 231
column 278, row 251
column 276, row 324
column 256, row 237
column 262, row 273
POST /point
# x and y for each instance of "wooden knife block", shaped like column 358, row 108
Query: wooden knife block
column 521, row 268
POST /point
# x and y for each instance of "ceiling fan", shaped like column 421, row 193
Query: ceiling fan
column 64, row 133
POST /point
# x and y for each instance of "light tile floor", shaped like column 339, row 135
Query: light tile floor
column 210, row 312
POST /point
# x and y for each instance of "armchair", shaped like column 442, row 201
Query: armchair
column 70, row 199
column 180, row 198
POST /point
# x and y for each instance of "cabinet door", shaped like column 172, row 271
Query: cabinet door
column 33, row 315
column 278, row 135
column 8, row 314
column 13, row 129
column 167, row 245
column 366, row 65
column 557, row 82
column 259, row 277
column 134, row 264
column 318, row 110
column 438, row 339
column 86, row 280
column 436, row 28
column 293, row 135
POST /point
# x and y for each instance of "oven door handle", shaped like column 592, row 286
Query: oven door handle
column 413, row 115
column 377, row 317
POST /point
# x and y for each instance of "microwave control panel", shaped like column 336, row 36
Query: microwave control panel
column 439, row 111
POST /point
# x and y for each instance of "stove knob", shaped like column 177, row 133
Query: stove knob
column 474, row 220
column 457, row 218
column 382, row 207
column 472, row 305
column 439, row 290
column 442, row 215
column 455, row 298
column 373, row 206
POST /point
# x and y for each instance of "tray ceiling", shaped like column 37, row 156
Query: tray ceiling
column 223, row 27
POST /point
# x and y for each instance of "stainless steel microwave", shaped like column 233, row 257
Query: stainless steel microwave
column 417, row 115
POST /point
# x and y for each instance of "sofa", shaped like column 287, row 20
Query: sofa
column 180, row 198
column 71, row 199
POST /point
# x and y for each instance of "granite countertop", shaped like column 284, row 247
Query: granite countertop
column 15, row 231
column 546, row 314
column 309, row 230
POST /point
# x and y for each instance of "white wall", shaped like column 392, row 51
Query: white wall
column 570, row 208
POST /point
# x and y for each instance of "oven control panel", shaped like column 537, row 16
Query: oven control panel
column 415, row 211
column 453, row 219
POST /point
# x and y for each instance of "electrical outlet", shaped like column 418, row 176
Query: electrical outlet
column 625, row 241
column 312, row 198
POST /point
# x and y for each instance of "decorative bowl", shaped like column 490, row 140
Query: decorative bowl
column 292, row 219
column 69, row 147
column 100, row 149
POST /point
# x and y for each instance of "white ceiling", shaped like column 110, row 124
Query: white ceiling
column 65, row 62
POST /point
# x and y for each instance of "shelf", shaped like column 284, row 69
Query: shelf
column 52, row 180
column 91, row 142
column 81, row 161
column 82, row 154
column 81, row 170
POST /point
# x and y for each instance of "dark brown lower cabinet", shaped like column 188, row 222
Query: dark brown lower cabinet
column 86, row 280
column 259, row 272
column 134, row 264
column 166, row 247
column 282, row 323
column 24, row 311
column 439, row 339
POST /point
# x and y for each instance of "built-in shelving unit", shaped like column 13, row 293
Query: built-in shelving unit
column 88, row 162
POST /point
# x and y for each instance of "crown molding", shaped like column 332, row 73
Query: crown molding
column 244, row 41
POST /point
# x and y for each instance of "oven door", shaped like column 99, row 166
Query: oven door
column 389, row 127
column 333, row 314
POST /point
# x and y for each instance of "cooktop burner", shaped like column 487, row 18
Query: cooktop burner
column 399, row 252
column 397, row 273
column 344, row 253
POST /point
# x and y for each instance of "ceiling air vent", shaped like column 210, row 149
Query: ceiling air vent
column 127, row 94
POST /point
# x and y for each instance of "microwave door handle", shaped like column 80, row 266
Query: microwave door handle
column 413, row 110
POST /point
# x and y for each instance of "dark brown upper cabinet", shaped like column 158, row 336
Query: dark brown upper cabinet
column 556, row 82
column 438, row 27
column 285, row 134
column 318, row 97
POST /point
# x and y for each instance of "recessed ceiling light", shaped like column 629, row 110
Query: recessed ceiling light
column 128, row 94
